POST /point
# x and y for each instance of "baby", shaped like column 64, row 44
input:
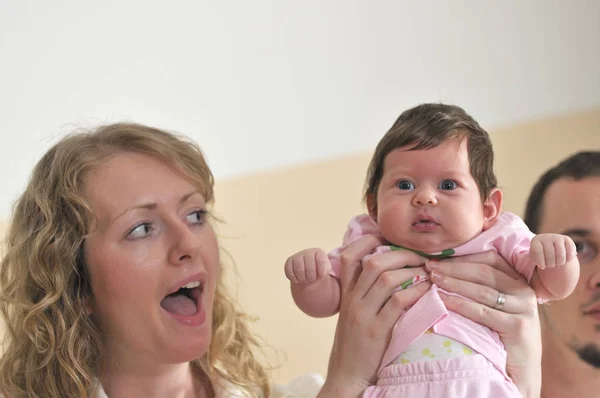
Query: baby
column 431, row 189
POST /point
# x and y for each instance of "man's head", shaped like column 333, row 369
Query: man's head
column 566, row 200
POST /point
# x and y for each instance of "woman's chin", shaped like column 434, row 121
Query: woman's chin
column 187, row 353
column 186, row 348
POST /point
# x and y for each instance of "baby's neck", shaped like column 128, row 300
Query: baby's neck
column 433, row 255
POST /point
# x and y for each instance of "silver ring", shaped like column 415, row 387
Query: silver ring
column 500, row 301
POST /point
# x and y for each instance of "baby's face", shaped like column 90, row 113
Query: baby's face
column 427, row 199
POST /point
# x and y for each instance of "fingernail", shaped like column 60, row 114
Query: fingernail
column 436, row 276
column 432, row 264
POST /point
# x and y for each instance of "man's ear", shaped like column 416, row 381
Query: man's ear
column 372, row 206
column 492, row 208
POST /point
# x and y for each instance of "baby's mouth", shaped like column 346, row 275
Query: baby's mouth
column 424, row 222
column 183, row 301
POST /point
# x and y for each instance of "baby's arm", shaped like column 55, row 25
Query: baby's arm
column 315, row 291
column 557, row 270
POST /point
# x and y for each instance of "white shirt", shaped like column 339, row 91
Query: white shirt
column 306, row 386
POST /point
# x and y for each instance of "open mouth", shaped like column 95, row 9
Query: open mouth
column 184, row 301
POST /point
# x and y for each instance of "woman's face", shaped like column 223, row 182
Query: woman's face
column 149, row 238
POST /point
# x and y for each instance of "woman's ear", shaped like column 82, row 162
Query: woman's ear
column 372, row 206
column 492, row 208
column 89, row 309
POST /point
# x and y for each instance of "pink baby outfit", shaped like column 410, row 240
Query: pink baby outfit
column 469, row 376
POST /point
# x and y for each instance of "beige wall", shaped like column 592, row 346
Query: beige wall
column 271, row 215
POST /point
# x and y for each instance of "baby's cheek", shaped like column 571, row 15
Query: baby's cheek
column 389, row 231
column 464, row 230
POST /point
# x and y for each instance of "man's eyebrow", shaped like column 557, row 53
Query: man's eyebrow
column 579, row 232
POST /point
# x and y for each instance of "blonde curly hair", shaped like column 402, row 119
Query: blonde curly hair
column 52, row 348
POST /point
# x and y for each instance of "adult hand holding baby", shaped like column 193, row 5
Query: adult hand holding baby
column 370, row 306
column 482, row 279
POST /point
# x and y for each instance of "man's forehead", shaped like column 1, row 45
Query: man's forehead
column 571, row 204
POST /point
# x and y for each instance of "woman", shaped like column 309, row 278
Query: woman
column 111, row 284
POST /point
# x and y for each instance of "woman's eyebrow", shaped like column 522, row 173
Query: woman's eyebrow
column 152, row 205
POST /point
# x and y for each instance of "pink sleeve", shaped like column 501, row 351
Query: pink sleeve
column 358, row 226
column 513, row 243
column 520, row 256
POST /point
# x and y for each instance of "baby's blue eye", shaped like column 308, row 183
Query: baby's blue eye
column 448, row 185
column 405, row 185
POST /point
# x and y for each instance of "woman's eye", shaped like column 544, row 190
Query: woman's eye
column 585, row 251
column 448, row 185
column 140, row 231
column 197, row 217
column 405, row 185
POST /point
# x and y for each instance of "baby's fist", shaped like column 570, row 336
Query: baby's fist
column 552, row 250
column 307, row 266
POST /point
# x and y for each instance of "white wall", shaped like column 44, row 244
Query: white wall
column 269, row 82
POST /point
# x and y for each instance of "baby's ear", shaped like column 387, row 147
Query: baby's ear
column 372, row 206
column 492, row 208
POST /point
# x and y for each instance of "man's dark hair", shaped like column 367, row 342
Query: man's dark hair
column 580, row 165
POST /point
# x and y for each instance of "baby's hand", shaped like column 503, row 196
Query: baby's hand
column 307, row 266
column 552, row 250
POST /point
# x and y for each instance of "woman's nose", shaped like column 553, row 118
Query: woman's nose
column 184, row 244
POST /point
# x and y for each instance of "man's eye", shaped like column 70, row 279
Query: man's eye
column 586, row 251
column 405, row 185
column 448, row 185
